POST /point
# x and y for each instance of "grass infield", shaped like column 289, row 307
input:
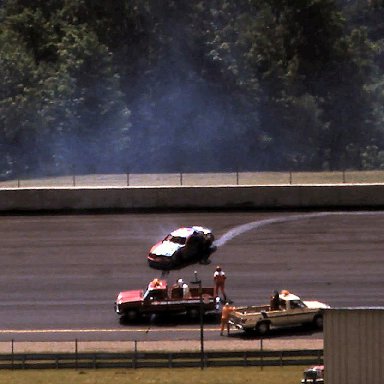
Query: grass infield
column 243, row 375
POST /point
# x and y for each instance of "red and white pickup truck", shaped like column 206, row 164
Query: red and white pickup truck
column 158, row 298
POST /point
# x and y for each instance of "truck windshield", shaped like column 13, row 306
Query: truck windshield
column 155, row 294
column 297, row 304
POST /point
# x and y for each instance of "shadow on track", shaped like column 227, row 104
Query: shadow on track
column 305, row 330
column 165, row 320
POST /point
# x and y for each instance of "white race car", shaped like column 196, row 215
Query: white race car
column 181, row 247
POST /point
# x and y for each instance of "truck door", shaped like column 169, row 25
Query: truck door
column 156, row 301
column 297, row 312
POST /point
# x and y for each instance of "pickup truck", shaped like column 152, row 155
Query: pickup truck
column 158, row 298
column 292, row 311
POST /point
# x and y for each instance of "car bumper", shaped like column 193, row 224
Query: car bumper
column 236, row 325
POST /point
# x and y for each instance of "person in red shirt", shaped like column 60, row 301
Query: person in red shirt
column 219, row 279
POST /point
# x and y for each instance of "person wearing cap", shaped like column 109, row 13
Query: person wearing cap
column 155, row 283
column 227, row 309
column 219, row 278
column 178, row 283
column 186, row 291
column 275, row 301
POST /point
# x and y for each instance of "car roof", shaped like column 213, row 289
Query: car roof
column 187, row 231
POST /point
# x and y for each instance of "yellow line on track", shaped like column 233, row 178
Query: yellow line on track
column 19, row 331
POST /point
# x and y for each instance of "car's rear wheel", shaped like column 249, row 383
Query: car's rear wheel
column 318, row 322
column 262, row 328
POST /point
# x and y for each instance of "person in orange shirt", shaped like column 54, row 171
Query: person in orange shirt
column 155, row 283
column 227, row 309
column 219, row 279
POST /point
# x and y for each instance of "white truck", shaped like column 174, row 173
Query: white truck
column 292, row 311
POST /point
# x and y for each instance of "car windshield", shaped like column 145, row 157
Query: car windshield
column 176, row 239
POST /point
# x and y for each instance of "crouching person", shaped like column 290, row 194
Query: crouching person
column 227, row 309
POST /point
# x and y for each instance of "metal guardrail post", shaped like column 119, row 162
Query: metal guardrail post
column 13, row 353
column 197, row 282
column 76, row 354
column 134, row 362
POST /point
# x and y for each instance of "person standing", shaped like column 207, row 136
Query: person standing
column 275, row 301
column 178, row 284
column 219, row 278
column 227, row 309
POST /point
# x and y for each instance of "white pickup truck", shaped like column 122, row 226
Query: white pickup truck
column 292, row 311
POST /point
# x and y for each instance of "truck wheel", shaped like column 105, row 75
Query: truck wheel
column 262, row 328
column 131, row 315
column 318, row 322
column 193, row 313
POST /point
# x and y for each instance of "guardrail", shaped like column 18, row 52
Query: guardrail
column 200, row 179
column 137, row 360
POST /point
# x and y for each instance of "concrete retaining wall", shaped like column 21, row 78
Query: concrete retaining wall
column 183, row 197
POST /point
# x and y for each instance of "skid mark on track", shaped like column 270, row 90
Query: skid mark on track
column 239, row 230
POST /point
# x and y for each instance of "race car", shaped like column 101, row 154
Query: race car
column 181, row 247
column 314, row 375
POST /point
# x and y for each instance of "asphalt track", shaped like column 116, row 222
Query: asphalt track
column 60, row 274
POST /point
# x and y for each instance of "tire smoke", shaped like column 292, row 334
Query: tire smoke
column 239, row 230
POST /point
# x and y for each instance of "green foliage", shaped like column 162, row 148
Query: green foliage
column 178, row 85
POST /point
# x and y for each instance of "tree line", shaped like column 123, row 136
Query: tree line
column 176, row 85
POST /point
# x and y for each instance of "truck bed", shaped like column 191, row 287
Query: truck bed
column 252, row 309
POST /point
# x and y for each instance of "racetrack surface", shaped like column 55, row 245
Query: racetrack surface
column 60, row 274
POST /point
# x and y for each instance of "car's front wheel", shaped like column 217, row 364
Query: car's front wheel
column 177, row 258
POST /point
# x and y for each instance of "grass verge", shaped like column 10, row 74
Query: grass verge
column 225, row 375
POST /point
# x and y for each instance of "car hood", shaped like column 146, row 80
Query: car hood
column 165, row 248
column 315, row 304
column 130, row 296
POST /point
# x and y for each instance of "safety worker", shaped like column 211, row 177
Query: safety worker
column 275, row 301
column 219, row 278
column 155, row 283
column 186, row 292
column 178, row 284
column 227, row 309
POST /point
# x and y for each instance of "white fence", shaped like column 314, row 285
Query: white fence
column 200, row 179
